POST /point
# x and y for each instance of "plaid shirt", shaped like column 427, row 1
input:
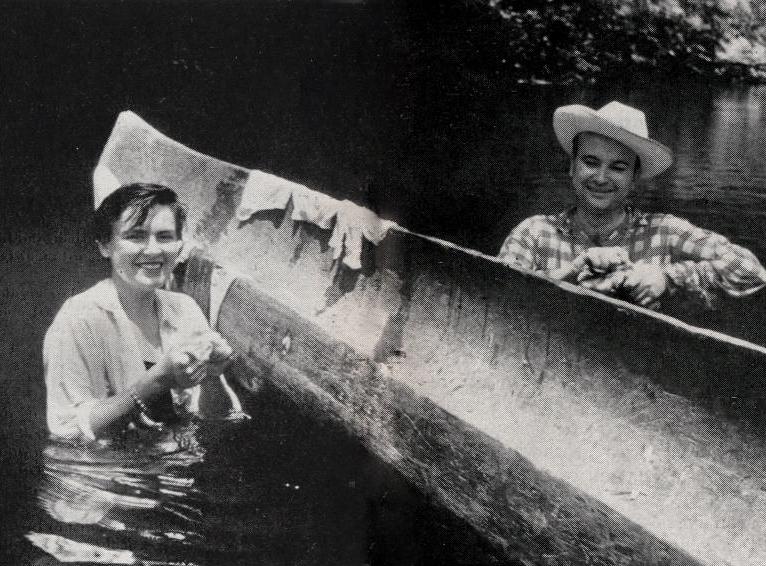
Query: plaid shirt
column 696, row 260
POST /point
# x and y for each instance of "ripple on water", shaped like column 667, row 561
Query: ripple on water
column 280, row 489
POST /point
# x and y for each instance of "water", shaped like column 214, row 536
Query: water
column 280, row 489
column 384, row 103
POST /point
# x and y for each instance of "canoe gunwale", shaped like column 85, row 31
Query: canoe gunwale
column 128, row 119
column 427, row 326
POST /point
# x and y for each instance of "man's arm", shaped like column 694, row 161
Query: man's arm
column 522, row 248
column 705, row 262
column 519, row 247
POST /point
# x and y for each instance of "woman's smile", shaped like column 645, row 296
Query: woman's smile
column 144, row 255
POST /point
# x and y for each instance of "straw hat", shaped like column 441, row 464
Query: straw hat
column 620, row 122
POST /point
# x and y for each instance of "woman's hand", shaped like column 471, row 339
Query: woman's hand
column 221, row 355
column 192, row 360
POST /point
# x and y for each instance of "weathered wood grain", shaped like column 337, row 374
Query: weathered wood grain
column 525, row 512
column 568, row 427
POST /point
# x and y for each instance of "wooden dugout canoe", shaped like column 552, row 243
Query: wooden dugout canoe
column 564, row 426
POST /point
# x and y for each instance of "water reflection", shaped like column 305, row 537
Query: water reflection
column 280, row 489
column 515, row 167
column 137, row 495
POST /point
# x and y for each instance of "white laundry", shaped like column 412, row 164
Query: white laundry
column 353, row 223
column 264, row 191
column 315, row 207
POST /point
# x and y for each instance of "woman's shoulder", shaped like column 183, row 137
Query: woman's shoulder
column 92, row 300
column 83, row 313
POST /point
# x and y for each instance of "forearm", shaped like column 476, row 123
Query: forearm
column 709, row 264
column 565, row 273
column 107, row 411
column 737, row 278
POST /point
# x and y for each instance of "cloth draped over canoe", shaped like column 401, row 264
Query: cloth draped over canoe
column 264, row 191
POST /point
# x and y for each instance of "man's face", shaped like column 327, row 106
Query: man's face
column 603, row 173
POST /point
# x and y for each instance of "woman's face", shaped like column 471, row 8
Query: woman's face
column 143, row 255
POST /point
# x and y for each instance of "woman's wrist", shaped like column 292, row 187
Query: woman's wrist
column 156, row 380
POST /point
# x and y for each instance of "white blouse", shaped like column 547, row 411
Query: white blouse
column 91, row 352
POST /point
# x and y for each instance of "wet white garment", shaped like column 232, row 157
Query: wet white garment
column 353, row 223
column 91, row 352
column 264, row 191
column 315, row 207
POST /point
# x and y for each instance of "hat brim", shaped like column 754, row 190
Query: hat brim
column 568, row 121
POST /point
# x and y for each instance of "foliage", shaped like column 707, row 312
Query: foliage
column 569, row 40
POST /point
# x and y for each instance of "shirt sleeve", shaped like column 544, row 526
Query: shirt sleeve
column 519, row 247
column 72, row 359
column 703, row 262
column 186, row 401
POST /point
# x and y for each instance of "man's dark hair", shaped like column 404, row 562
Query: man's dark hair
column 576, row 144
column 141, row 197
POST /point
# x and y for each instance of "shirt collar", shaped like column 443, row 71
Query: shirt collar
column 564, row 221
column 105, row 296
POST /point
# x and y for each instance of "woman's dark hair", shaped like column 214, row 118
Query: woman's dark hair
column 141, row 197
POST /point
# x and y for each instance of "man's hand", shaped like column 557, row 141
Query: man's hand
column 646, row 283
column 602, row 260
column 593, row 261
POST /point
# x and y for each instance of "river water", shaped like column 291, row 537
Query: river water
column 279, row 489
column 377, row 103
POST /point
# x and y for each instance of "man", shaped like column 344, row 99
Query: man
column 613, row 248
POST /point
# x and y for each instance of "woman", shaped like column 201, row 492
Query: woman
column 126, row 353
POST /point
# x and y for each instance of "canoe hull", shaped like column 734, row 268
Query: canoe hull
column 565, row 427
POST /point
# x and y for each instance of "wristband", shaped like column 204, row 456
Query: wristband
column 140, row 405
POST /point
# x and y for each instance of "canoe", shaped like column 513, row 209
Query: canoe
column 564, row 426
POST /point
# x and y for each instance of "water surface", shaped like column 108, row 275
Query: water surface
column 382, row 103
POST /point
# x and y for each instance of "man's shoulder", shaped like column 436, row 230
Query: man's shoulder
column 663, row 220
column 540, row 223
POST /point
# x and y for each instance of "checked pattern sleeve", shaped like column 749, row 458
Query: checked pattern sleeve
column 519, row 247
column 696, row 261
column 702, row 261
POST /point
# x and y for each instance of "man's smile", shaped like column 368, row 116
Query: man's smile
column 150, row 264
column 601, row 190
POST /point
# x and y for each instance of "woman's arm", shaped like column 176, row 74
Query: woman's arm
column 107, row 411
column 75, row 370
column 75, row 373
